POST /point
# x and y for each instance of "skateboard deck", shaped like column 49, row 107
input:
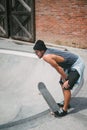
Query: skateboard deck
column 49, row 99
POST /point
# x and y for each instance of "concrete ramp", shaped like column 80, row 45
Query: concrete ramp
column 21, row 104
column 20, row 73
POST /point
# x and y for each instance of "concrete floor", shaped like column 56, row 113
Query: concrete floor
column 21, row 105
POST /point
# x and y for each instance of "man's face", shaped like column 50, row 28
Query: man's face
column 39, row 53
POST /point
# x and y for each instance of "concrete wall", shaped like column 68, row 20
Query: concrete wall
column 62, row 22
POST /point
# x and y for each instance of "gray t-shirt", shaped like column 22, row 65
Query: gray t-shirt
column 69, row 57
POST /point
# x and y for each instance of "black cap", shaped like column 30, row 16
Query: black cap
column 39, row 45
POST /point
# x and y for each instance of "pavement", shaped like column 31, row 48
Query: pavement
column 21, row 105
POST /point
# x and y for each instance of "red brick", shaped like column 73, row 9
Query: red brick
column 64, row 21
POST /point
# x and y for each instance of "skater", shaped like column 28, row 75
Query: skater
column 70, row 67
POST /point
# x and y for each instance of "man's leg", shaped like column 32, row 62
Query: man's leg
column 67, row 97
column 66, row 87
column 66, row 94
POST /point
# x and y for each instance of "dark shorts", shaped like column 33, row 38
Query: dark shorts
column 73, row 76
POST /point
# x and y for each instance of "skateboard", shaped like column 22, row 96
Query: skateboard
column 49, row 99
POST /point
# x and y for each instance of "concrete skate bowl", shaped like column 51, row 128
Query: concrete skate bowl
column 20, row 100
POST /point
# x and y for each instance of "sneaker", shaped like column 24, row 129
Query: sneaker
column 62, row 104
column 61, row 113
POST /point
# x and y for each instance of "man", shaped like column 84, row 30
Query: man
column 68, row 65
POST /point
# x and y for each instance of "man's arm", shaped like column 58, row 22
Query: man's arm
column 53, row 61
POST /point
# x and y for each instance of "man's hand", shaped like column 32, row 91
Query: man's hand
column 66, row 85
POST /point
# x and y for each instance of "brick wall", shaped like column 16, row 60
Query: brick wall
column 62, row 22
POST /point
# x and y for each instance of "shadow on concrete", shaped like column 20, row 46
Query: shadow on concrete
column 78, row 104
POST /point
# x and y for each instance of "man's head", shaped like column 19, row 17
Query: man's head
column 40, row 48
